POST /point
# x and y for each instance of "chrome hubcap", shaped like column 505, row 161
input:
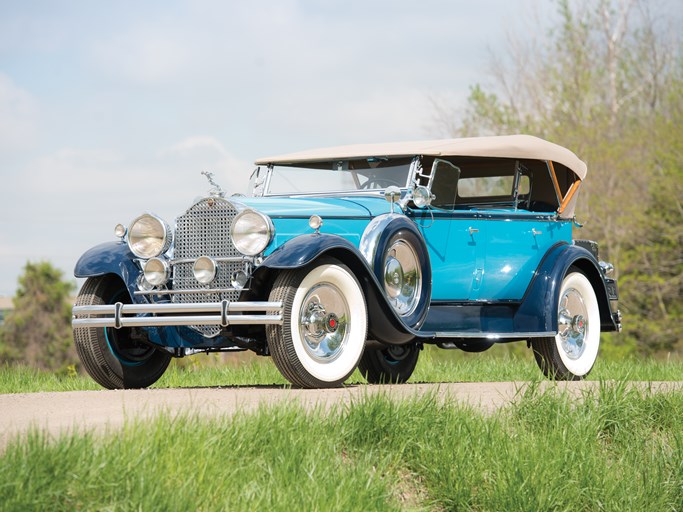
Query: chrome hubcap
column 402, row 277
column 573, row 323
column 324, row 322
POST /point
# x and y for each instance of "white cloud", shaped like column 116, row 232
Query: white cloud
column 19, row 115
column 198, row 144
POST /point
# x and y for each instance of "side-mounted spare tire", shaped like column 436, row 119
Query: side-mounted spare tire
column 116, row 358
column 401, row 264
column 399, row 258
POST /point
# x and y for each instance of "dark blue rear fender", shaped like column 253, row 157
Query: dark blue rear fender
column 538, row 311
column 384, row 324
column 109, row 258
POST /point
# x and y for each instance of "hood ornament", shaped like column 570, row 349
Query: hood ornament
column 215, row 190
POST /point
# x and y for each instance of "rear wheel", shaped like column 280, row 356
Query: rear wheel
column 571, row 354
column 116, row 358
column 323, row 334
column 392, row 365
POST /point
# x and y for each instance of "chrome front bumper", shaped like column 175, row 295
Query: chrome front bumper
column 209, row 313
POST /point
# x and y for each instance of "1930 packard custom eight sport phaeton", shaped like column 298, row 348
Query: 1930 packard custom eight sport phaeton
column 357, row 256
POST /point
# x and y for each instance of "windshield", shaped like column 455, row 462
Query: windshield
column 339, row 176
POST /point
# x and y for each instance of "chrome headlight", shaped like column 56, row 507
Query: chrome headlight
column 251, row 232
column 149, row 236
column 422, row 197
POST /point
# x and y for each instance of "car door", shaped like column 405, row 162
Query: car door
column 515, row 243
column 453, row 237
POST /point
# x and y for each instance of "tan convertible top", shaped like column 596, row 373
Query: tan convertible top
column 505, row 146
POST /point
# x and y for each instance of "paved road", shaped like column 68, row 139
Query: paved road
column 62, row 411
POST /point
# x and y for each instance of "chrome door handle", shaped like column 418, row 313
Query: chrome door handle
column 535, row 232
column 473, row 230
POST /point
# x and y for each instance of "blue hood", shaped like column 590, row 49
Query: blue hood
column 326, row 207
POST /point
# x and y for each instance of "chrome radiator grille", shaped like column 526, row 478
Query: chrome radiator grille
column 204, row 230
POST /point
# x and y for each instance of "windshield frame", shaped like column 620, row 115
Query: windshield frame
column 262, row 187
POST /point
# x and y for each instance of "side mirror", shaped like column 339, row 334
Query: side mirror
column 392, row 195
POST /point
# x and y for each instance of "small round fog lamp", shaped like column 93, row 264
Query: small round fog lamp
column 239, row 280
column 204, row 270
column 156, row 271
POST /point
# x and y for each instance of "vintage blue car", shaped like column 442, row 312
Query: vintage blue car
column 357, row 256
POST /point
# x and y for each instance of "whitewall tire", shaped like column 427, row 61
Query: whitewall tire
column 325, row 324
column 571, row 354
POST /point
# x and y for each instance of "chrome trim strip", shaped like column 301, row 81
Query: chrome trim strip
column 228, row 259
column 221, row 317
column 484, row 215
column 164, row 321
column 177, row 307
column 188, row 291
column 494, row 336
column 341, row 194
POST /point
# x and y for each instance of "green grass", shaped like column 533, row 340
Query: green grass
column 435, row 365
column 618, row 449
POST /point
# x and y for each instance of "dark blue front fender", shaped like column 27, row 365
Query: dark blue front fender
column 300, row 251
column 538, row 311
column 384, row 324
column 109, row 258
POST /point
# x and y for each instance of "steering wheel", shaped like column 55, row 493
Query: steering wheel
column 374, row 182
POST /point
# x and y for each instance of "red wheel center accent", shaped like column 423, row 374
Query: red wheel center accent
column 332, row 323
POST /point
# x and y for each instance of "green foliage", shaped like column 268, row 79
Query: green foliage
column 654, row 269
column 607, row 82
column 615, row 448
column 38, row 331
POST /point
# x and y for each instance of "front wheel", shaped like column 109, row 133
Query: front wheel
column 116, row 358
column 571, row 354
column 392, row 365
column 325, row 323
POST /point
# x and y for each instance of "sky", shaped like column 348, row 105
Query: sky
column 112, row 109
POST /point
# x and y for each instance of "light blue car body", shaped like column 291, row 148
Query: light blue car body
column 489, row 255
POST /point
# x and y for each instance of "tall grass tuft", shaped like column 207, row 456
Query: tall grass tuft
column 615, row 448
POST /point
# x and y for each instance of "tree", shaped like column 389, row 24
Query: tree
column 38, row 331
column 653, row 269
column 606, row 81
